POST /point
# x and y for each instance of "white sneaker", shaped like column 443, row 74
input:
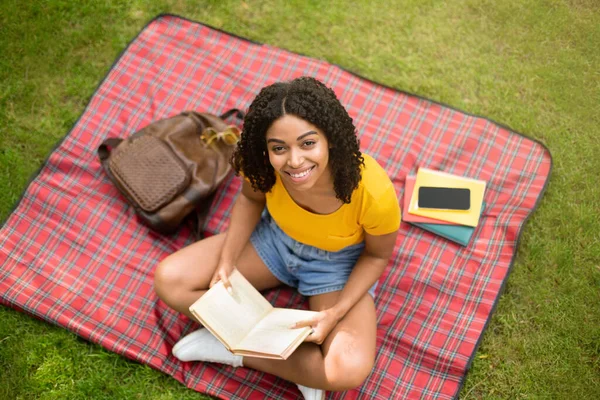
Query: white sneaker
column 201, row 345
column 311, row 393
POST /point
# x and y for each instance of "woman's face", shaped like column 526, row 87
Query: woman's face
column 299, row 152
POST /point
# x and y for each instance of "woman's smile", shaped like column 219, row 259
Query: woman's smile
column 300, row 176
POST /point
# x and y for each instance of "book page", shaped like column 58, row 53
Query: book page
column 449, row 175
column 231, row 316
column 273, row 333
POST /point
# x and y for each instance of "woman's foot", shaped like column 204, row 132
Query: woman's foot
column 311, row 394
column 201, row 345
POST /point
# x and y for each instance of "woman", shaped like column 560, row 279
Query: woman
column 329, row 229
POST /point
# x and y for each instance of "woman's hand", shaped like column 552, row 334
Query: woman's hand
column 222, row 274
column 322, row 324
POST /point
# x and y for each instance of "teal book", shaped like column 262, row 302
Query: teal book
column 460, row 234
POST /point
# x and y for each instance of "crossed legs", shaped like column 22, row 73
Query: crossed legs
column 345, row 358
column 342, row 362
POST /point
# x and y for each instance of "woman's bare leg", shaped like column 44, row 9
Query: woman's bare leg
column 184, row 276
column 345, row 358
column 342, row 362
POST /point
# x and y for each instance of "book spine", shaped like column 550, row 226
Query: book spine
column 447, row 237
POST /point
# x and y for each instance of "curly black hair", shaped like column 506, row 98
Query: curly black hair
column 312, row 101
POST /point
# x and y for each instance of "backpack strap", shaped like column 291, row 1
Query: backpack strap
column 238, row 113
column 202, row 210
column 104, row 151
column 105, row 148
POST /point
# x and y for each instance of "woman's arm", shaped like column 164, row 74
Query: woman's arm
column 245, row 215
column 369, row 267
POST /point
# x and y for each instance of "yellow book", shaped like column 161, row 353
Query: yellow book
column 429, row 177
column 247, row 324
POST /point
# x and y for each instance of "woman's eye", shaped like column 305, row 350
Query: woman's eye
column 309, row 143
column 277, row 149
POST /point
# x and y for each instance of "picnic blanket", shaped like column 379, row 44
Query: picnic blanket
column 73, row 253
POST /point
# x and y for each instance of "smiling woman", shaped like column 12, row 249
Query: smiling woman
column 314, row 214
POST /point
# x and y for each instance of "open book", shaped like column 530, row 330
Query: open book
column 247, row 324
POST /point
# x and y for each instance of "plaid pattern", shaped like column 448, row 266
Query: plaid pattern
column 73, row 253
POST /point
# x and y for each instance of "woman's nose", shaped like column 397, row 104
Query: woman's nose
column 295, row 159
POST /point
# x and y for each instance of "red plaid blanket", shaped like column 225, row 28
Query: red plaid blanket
column 73, row 253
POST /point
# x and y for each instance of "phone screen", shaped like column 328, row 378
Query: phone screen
column 444, row 198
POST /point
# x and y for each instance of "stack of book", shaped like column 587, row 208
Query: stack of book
column 445, row 204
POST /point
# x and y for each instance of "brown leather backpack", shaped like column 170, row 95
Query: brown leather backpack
column 172, row 166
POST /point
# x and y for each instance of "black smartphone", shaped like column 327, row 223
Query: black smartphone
column 444, row 198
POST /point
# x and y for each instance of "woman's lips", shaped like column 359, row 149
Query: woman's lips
column 300, row 176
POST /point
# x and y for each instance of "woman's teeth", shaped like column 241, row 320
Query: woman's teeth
column 300, row 175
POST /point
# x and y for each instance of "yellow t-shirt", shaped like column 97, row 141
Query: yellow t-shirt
column 373, row 208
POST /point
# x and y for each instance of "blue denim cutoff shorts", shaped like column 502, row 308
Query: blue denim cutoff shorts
column 309, row 269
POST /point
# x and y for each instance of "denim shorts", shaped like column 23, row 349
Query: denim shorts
column 309, row 269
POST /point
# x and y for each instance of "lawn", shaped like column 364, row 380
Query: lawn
column 532, row 65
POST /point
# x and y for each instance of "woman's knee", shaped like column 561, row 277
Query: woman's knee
column 189, row 269
column 167, row 278
column 350, row 370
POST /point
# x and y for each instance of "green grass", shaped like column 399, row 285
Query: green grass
column 534, row 66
